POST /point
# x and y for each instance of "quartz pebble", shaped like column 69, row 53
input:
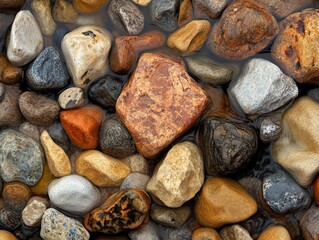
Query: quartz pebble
column 72, row 97
column 269, row 130
column 33, row 212
column 89, row 6
column 42, row 13
column 165, row 14
column 135, row 180
column 235, row 232
column 209, row 8
column 10, row 114
column 148, row 232
column 205, row 234
column 275, row 233
column 64, row 12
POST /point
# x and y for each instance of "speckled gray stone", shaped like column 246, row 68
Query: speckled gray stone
column 149, row 232
column 10, row 114
column 21, row 158
column 269, row 131
column 31, row 130
column 165, row 14
column 135, row 180
column 182, row 233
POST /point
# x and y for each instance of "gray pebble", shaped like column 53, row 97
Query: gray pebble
column 30, row 130
column 2, row 91
column 135, row 180
column 10, row 114
column 165, row 14
column 269, row 131
column 149, row 232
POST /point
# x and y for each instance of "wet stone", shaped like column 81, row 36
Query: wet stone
column 209, row 8
column 185, row 14
column 6, row 235
column 275, row 233
column 165, row 14
column 9, row 219
column 148, row 232
column 72, row 97
column 9, row 74
column 59, row 136
column 181, row 233
column 269, row 130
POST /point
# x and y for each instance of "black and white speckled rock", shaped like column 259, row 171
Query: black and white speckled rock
column 9, row 219
column 20, row 158
column 72, row 97
column 148, row 232
column 269, row 130
column 165, row 14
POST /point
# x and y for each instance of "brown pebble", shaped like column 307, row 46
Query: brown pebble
column 16, row 195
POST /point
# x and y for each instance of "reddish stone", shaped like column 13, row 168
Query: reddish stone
column 82, row 125
column 159, row 103
column 316, row 190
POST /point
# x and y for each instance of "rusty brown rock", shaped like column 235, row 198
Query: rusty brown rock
column 9, row 74
column 296, row 48
column 159, row 103
column 244, row 29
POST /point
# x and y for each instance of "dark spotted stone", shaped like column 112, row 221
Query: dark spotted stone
column 165, row 14
column 9, row 219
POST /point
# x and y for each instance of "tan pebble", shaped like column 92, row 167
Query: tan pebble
column 5, row 235
column 137, row 163
column 185, row 14
column 235, row 232
column 142, row 2
column 64, row 12
column 275, row 233
column 33, row 212
column 42, row 12
column 205, row 234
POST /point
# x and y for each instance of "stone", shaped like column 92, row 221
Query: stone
column 55, row 225
column 42, row 13
column 25, row 232
column 211, row 209
column 115, row 140
column 295, row 50
column 205, row 234
column 89, row 6
column 38, row 109
column 181, row 233
column 129, row 207
column 235, row 232
column 41, row 188
column 102, row 170
column 269, row 130
column 316, row 190
column 86, row 50
column 227, row 146
column 209, row 8
column 82, row 125
column 189, row 38
column 208, row 71
column 10, row 114
column 148, row 232
column 16, row 195
column 178, row 177
column 5, row 235
column 126, row 17
column 9, row 219
column 159, row 103
column 26, row 40
column 105, row 92
column 135, row 180
column 142, row 2
column 58, row 161
column 59, row 136
column 20, row 158
column 64, row 12
column 185, row 14
column 33, row 212
column 261, row 88
column 48, row 72
column 30, row 130
column 255, row 29
column 137, row 163
column 170, row 217
column 72, row 97
column 275, row 233
column 2, row 91
column 74, row 194
column 127, row 48
column 7, row 5
column 296, row 150
column 309, row 229
column 165, row 14
column 9, row 74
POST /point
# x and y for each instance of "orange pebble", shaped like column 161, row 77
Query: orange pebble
column 316, row 190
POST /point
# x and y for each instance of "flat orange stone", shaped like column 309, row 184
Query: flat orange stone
column 159, row 103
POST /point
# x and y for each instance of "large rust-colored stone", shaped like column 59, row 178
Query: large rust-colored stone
column 159, row 103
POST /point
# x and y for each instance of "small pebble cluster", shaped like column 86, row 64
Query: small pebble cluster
column 159, row 119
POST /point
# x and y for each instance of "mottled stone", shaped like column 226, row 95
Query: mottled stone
column 89, row 6
column 269, row 130
column 9, row 74
column 20, row 158
column 10, row 114
column 64, row 12
column 181, row 233
column 9, row 219
column 135, row 180
column 42, row 13
column 309, row 229
column 209, row 8
column 16, row 195
column 205, row 234
column 275, row 233
column 72, row 97
column 55, row 225
column 31, row 130
column 159, row 103
column 235, row 232
column 137, row 163
column 5, row 235
column 7, row 5
column 165, row 14
column 129, row 206
column 33, row 212
column 185, row 14
column 148, row 232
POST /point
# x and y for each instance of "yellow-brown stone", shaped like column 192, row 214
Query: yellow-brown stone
column 205, row 234
column 9, row 74
column 275, row 233
column 16, row 195
column 5, row 235
column 89, row 6
column 64, row 11
column 185, row 14
column 41, row 188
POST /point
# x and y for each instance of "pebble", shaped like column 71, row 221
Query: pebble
column 38, row 109
column 147, row 108
column 102, row 170
column 181, row 233
column 16, row 195
column 24, row 232
column 208, row 71
column 55, row 225
column 178, row 177
column 10, row 114
column 148, row 232
column 316, row 190
column 64, row 12
column 189, row 38
column 42, row 13
column 33, row 212
column 170, row 217
column 205, row 234
column 164, row 14
column 209, row 8
column 235, row 232
column 30, row 130
column 5, row 235
column 309, row 229
column 20, row 158
column 129, row 207
column 89, row 6
column 185, row 14
column 137, row 163
column 74, row 194
column 26, row 40
column 9, row 74
column 7, row 5
column 72, row 97
column 9, row 219
column 227, row 146
column 269, row 130
column 135, row 180
column 268, row 88
column 126, row 16
column 59, row 136
column 275, row 233
column 82, row 125
column 105, row 92
column 41, row 188
column 211, row 209
column 294, row 49
column 86, row 51
column 255, row 29
column 115, row 140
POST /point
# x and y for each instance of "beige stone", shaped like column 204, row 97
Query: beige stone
column 205, row 234
column 235, row 232
column 5, row 235
column 185, row 14
column 64, row 12
column 137, row 163
column 33, row 212
column 142, row 2
column 89, row 6
column 57, row 159
column 178, row 177
column 42, row 13
column 275, row 233
column 101, row 169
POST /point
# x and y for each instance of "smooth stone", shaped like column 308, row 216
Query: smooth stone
column 316, row 190
column 7, row 5
column 33, row 212
column 101, row 169
column 269, row 130
column 42, row 13
column 38, row 109
column 181, row 233
column 10, row 114
column 170, row 217
column 137, row 163
column 9, row 219
column 86, row 50
column 189, row 38
column 41, row 188
column 135, row 180
column 20, row 158
column 148, row 232
column 269, row 88
column 16, row 195
column 58, row 161
column 142, row 2
column 165, row 14
column 211, row 209
column 26, row 40
column 72, row 97
column 185, row 14
column 55, row 225
column 126, row 16
column 105, row 92
column 115, row 140
column 5, row 235
column 24, row 232
column 235, row 232
column 205, row 234
column 178, row 177
column 89, row 6
column 59, row 136
column 227, row 146
column 82, row 125
column 208, row 71
column 209, row 8
column 308, row 226
column 74, row 194
column 64, row 12
column 146, row 107
column 31, row 130
column 275, row 233
column 9, row 74
column 128, row 206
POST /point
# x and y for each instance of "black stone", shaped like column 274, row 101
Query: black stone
column 59, row 34
column 24, row 232
column 165, row 14
column 9, row 219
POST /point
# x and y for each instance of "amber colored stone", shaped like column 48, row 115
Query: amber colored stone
column 89, row 6
column 129, row 207
column 9, row 74
column 185, row 14
column 41, row 188
column 205, row 234
column 159, row 103
column 82, row 125
column 5, row 235
column 275, row 233
column 16, row 195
